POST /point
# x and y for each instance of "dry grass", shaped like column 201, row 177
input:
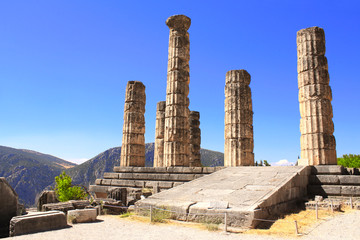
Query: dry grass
column 306, row 221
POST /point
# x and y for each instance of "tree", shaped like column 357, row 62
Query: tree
column 349, row 160
column 266, row 163
column 65, row 191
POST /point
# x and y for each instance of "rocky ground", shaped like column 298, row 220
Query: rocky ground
column 343, row 226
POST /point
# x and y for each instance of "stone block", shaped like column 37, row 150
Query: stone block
column 111, row 175
column 123, row 169
column 8, row 206
column 62, row 206
column 37, row 222
column 46, row 197
column 324, row 190
column 327, row 169
column 181, row 177
column 349, row 180
column 82, row 215
column 80, row 204
column 350, row 191
column 324, row 179
column 123, row 183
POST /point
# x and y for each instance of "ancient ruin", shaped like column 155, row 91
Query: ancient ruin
column 133, row 141
column 176, row 138
column 195, row 139
column 316, row 125
column 159, row 134
column 239, row 141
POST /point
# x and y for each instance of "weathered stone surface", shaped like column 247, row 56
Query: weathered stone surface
column 195, row 139
column 324, row 179
column 46, row 197
column 133, row 141
column 8, row 206
column 159, row 135
column 37, row 222
column 349, row 180
column 176, row 134
column 318, row 145
column 250, row 192
column 82, row 215
column 62, row 206
column 239, row 140
column 327, row 170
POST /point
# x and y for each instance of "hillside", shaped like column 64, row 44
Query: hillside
column 29, row 172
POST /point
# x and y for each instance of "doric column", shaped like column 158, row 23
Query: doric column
column 316, row 126
column 159, row 134
column 239, row 141
column 133, row 141
column 176, row 138
column 195, row 139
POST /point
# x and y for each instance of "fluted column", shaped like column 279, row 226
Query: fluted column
column 159, row 134
column 195, row 139
column 239, row 141
column 133, row 141
column 176, row 137
column 316, row 126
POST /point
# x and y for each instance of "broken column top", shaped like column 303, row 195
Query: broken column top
column 178, row 22
column 310, row 34
column 161, row 106
column 238, row 76
column 136, row 84
column 194, row 115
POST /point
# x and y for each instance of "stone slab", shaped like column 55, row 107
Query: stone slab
column 349, row 179
column 249, row 191
column 37, row 222
column 327, row 169
column 324, row 179
column 82, row 215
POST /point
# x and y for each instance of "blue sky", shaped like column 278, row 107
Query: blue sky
column 64, row 66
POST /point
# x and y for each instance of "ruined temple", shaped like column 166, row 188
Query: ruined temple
column 159, row 134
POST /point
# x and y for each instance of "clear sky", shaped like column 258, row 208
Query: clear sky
column 64, row 66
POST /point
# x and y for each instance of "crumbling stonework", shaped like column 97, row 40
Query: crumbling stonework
column 316, row 126
column 176, row 137
column 239, row 141
column 133, row 141
column 195, row 139
column 159, row 134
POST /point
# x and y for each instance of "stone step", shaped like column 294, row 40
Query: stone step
column 335, row 180
column 334, row 190
column 174, row 177
column 195, row 170
column 132, row 183
column 328, row 170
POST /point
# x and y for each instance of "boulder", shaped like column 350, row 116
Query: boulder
column 82, row 215
column 8, row 206
column 37, row 222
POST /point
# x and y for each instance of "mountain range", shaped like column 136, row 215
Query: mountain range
column 30, row 172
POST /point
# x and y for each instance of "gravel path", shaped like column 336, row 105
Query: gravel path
column 344, row 226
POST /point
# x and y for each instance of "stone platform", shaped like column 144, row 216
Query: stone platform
column 159, row 178
column 244, row 193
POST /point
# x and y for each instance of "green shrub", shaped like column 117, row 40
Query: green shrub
column 65, row 191
column 350, row 161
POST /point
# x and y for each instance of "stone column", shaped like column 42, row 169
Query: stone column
column 239, row 141
column 176, row 138
column 195, row 139
column 133, row 141
column 159, row 135
column 316, row 126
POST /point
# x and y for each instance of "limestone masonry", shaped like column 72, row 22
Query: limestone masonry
column 239, row 141
column 195, row 139
column 316, row 126
column 176, row 138
column 159, row 134
column 133, row 141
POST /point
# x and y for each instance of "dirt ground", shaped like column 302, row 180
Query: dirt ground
column 342, row 226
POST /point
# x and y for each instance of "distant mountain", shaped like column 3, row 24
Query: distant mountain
column 29, row 172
